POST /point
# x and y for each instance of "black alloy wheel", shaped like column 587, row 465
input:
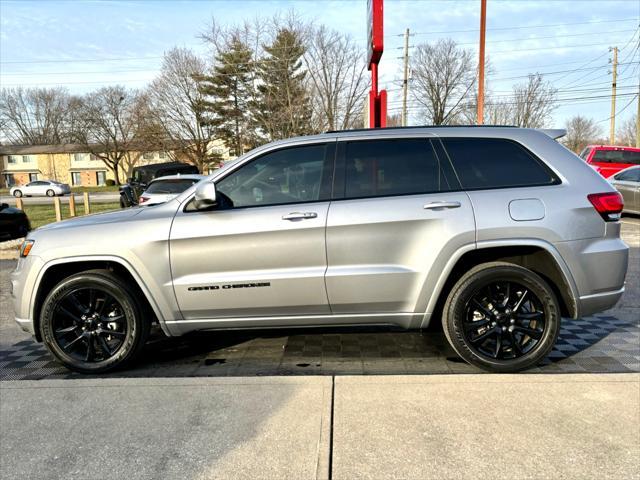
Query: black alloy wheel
column 501, row 317
column 92, row 324
column 89, row 324
column 503, row 320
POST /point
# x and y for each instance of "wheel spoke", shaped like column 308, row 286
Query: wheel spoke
column 107, row 300
column 113, row 333
column 496, row 353
column 90, row 349
column 73, row 342
column 531, row 316
column 66, row 312
column 514, row 344
column 484, row 309
column 505, row 302
column 104, row 345
column 533, row 333
column 476, row 325
column 81, row 309
column 483, row 336
column 520, row 300
column 66, row 330
column 92, row 299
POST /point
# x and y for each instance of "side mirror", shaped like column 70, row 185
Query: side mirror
column 205, row 195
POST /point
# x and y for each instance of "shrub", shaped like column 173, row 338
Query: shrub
column 109, row 182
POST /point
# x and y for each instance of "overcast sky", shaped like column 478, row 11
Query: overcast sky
column 85, row 44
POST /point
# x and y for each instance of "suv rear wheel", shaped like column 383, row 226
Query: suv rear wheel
column 501, row 317
column 92, row 324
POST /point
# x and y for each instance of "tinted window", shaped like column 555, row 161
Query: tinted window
column 171, row 186
column 392, row 167
column 290, row 175
column 617, row 156
column 584, row 153
column 632, row 175
column 495, row 163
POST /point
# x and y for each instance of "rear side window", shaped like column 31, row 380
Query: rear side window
column 484, row 163
column 376, row 168
column 617, row 156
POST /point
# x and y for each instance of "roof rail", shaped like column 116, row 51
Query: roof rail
column 420, row 126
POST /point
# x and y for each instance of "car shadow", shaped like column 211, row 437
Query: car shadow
column 599, row 344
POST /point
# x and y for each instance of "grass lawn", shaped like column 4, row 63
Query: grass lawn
column 42, row 214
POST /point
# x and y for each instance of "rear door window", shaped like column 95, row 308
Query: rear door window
column 376, row 168
column 485, row 163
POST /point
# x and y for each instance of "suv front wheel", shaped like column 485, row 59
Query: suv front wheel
column 91, row 323
column 501, row 317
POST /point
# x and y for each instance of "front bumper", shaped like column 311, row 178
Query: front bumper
column 23, row 283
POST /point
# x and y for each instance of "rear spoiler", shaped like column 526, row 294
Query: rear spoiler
column 554, row 133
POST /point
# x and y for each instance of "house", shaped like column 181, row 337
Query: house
column 72, row 164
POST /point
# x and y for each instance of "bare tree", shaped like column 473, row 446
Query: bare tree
column 443, row 79
column 36, row 116
column 581, row 131
column 180, row 107
column 336, row 79
column 108, row 125
column 627, row 132
column 533, row 102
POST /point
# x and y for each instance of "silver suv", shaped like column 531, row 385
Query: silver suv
column 498, row 231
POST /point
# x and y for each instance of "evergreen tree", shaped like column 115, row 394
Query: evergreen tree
column 229, row 91
column 282, row 107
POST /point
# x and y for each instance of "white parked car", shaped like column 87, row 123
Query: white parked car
column 39, row 188
column 163, row 189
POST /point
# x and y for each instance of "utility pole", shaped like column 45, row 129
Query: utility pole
column 638, row 118
column 612, row 131
column 405, row 82
column 483, row 24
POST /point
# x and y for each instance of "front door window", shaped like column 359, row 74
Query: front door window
column 76, row 179
column 101, row 178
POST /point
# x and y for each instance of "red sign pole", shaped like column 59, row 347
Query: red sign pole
column 377, row 100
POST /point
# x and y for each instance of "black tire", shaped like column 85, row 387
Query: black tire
column 17, row 193
column 501, row 336
column 126, row 320
column 51, row 193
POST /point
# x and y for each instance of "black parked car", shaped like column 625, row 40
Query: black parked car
column 13, row 222
column 142, row 176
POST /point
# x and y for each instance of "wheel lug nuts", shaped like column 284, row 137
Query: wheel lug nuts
column 512, row 321
column 504, row 329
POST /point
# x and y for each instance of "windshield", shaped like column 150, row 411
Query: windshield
column 176, row 186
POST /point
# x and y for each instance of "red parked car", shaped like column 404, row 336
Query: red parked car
column 609, row 160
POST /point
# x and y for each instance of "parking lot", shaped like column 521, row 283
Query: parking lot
column 606, row 343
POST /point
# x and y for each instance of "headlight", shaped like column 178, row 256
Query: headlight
column 26, row 247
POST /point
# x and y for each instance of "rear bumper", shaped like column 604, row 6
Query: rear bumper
column 599, row 268
column 598, row 302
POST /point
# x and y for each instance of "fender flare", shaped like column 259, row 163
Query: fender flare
column 99, row 258
column 487, row 244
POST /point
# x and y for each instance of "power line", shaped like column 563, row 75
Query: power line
column 548, row 25
column 526, row 39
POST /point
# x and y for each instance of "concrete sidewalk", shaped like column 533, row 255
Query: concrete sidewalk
column 378, row 427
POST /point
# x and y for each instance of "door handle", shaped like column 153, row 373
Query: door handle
column 299, row 216
column 441, row 205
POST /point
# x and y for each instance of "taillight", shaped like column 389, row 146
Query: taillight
column 143, row 199
column 609, row 205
